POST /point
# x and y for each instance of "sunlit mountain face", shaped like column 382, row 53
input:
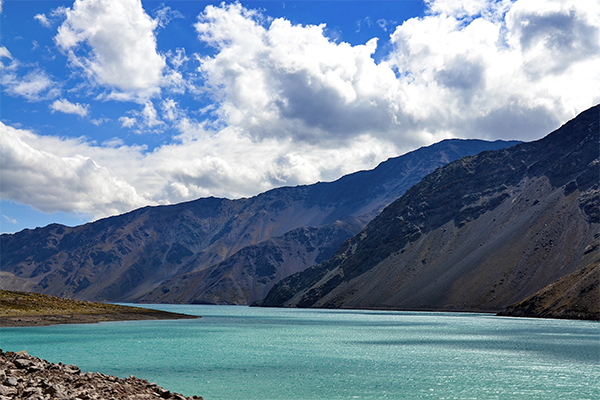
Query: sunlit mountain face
column 478, row 234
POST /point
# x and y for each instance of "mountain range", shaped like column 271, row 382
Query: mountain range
column 514, row 231
column 214, row 250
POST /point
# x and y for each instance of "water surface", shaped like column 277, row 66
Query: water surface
column 261, row 353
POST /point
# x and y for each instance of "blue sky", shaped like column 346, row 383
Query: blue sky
column 107, row 106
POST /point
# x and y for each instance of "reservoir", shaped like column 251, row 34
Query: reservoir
column 236, row 352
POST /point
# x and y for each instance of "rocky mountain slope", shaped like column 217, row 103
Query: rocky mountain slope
column 250, row 273
column 193, row 251
column 479, row 234
column 575, row 296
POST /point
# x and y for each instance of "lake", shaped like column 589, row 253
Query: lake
column 236, row 352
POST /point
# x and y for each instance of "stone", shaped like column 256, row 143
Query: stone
column 32, row 391
column 6, row 391
column 23, row 363
column 71, row 369
column 31, row 378
column 11, row 381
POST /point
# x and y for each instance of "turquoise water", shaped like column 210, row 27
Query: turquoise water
column 260, row 353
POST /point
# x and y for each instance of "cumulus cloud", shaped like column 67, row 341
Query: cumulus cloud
column 291, row 80
column 291, row 106
column 532, row 64
column 54, row 174
column 114, row 43
column 454, row 72
column 171, row 110
column 51, row 182
column 65, row 106
column 150, row 116
column 554, row 37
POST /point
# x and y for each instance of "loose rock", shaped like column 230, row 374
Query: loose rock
column 26, row 377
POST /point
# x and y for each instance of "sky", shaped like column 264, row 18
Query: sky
column 111, row 105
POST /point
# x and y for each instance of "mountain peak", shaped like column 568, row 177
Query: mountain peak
column 214, row 250
column 478, row 234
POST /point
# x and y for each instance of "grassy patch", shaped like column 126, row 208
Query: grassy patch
column 32, row 304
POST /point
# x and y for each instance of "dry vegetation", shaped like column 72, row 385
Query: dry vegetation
column 33, row 309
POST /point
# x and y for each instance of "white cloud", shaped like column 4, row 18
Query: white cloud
column 127, row 122
column 458, row 8
column 292, row 81
column 383, row 24
column 36, row 85
column 552, row 36
column 171, row 111
column 150, row 116
column 9, row 219
column 458, row 71
column 293, row 107
column 145, row 121
column 179, row 58
column 114, row 142
column 491, row 77
column 121, row 37
column 165, row 14
column 59, row 177
column 4, row 53
column 43, row 20
column 99, row 121
column 65, row 106
column 54, row 174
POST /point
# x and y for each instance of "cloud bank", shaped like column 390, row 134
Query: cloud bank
column 289, row 105
column 59, row 178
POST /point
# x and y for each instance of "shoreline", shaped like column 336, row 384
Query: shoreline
column 20, row 321
column 24, row 309
column 24, row 376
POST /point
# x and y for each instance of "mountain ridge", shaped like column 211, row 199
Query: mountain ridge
column 473, row 235
column 127, row 257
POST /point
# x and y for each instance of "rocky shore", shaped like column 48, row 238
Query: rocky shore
column 25, row 377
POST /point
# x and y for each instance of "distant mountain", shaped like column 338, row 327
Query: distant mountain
column 214, row 250
column 479, row 234
column 249, row 274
